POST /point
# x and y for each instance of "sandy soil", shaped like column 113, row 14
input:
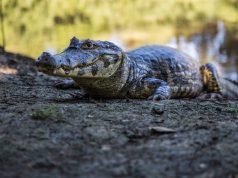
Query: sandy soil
column 47, row 132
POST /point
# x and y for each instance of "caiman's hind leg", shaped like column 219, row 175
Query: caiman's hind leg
column 211, row 83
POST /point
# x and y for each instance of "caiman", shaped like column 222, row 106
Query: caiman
column 103, row 70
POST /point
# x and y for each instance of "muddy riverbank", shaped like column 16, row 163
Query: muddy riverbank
column 47, row 132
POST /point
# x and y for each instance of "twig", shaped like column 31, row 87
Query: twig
column 2, row 26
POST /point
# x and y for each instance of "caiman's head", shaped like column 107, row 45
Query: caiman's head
column 83, row 59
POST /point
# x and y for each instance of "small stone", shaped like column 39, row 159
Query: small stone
column 157, row 111
column 202, row 165
column 158, row 108
column 106, row 147
column 160, row 129
column 90, row 116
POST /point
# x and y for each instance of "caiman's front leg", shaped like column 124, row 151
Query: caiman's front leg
column 66, row 84
column 71, row 84
column 160, row 89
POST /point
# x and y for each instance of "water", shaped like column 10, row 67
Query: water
column 211, row 46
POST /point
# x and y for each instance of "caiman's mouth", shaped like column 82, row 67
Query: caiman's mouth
column 97, row 68
column 55, row 70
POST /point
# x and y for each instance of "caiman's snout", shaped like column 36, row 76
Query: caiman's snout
column 46, row 60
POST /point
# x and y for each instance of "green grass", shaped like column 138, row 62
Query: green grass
column 48, row 112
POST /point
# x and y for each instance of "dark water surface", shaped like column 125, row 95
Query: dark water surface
column 214, row 43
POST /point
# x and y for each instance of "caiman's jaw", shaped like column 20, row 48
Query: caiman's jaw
column 55, row 65
column 99, row 68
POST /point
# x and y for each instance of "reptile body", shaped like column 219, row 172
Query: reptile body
column 103, row 70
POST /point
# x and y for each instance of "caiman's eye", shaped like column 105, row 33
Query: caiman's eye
column 88, row 45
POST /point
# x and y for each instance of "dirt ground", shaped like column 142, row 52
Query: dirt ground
column 47, row 132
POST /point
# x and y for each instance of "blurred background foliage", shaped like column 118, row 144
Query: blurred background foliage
column 32, row 26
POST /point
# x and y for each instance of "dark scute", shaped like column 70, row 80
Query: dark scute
column 94, row 70
column 106, row 63
column 83, row 61
column 68, row 61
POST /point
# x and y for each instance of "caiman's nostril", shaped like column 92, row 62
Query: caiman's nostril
column 37, row 62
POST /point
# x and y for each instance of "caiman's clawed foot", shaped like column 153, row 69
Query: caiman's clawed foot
column 210, row 96
column 66, row 84
column 158, row 97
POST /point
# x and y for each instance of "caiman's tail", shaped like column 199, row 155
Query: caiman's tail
column 229, row 88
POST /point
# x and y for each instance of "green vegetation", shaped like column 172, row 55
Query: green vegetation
column 48, row 112
column 33, row 25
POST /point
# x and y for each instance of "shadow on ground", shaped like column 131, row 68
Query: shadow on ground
column 46, row 132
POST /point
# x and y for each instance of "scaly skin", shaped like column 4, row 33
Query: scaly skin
column 103, row 70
